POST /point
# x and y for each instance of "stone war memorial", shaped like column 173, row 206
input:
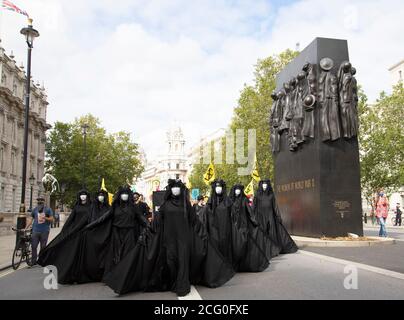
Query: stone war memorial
column 314, row 129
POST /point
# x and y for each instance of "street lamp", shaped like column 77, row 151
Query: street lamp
column 31, row 181
column 84, row 127
column 30, row 34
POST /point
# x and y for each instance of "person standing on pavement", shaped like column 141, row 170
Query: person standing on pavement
column 382, row 210
column 56, row 218
column 198, row 209
column 398, row 213
column 41, row 220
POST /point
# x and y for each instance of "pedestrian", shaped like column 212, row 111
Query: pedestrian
column 56, row 218
column 142, row 206
column 382, row 210
column 41, row 220
column 398, row 213
column 198, row 206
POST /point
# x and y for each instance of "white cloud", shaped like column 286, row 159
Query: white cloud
column 140, row 65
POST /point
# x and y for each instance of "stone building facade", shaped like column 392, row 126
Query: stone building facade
column 172, row 165
column 12, row 108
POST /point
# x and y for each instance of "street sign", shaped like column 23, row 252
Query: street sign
column 195, row 194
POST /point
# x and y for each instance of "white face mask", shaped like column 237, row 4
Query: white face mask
column 101, row 198
column 83, row 197
column 218, row 190
column 264, row 186
column 237, row 192
column 176, row 191
column 124, row 197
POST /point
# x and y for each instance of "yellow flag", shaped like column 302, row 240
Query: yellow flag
column 209, row 175
column 249, row 190
column 254, row 174
column 103, row 185
column 110, row 195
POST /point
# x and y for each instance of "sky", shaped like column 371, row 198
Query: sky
column 144, row 66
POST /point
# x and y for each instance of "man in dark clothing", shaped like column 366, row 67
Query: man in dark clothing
column 42, row 218
column 398, row 213
column 198, row 209
column 141, row 205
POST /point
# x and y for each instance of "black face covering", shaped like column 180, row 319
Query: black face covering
column 41, row 207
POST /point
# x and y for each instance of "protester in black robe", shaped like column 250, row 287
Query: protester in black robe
column 173, row 254
column 127, row 224
column 94, row 242
column 62, row 251
column 268, row 216
column 249, row 249
column 219, row 220
column 100, row 205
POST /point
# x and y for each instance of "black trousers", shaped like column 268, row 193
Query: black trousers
column 398, row 220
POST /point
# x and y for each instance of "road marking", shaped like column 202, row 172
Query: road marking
column 193, row 295
column 362, row 266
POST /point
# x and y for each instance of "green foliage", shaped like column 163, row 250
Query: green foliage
column 382, row 143
column 110, row 156
column 252, row 112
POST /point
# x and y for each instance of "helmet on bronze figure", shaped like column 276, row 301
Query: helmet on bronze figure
column 301, row 75
column 309, row 102
column 293, row 82
column 346, row 66
column 306, row 66
column 274, row 95
column 281, row 94
column 353, row 70
column 326, row 64
column 286, row 86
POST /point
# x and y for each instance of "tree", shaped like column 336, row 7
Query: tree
column 252, row 112
column 110, row 156
column 381, row 141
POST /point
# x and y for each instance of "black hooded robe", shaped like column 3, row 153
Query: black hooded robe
column 171, row 255
column 93, row 243
column 126, row 226
column 63, row 251
column 268, row 215
column 249, row 250
column 219, row 220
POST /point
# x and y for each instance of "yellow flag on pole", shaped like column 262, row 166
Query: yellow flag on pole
column 249, row 190
column 254, row 173
column 110, row 195
column 103, row 185
column 209, row 175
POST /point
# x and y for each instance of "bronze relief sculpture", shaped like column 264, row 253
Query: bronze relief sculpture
column 336, row 96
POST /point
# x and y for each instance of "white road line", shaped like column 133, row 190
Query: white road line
column 193, row 295
column 362, row 266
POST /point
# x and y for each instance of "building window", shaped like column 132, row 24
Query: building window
column 3, row 198
column 13, row 163
column 13, row 131
column 15, row 87
column 3, row 79
column 177, row 166
column 14, row 198
column 39, row 170
column 400, row 75
column 2, row 158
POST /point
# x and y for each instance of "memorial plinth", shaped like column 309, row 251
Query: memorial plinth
column 317, row 174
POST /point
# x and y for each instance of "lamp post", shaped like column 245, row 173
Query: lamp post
column 31, row 182
column 84, row 127
column 30, row 34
